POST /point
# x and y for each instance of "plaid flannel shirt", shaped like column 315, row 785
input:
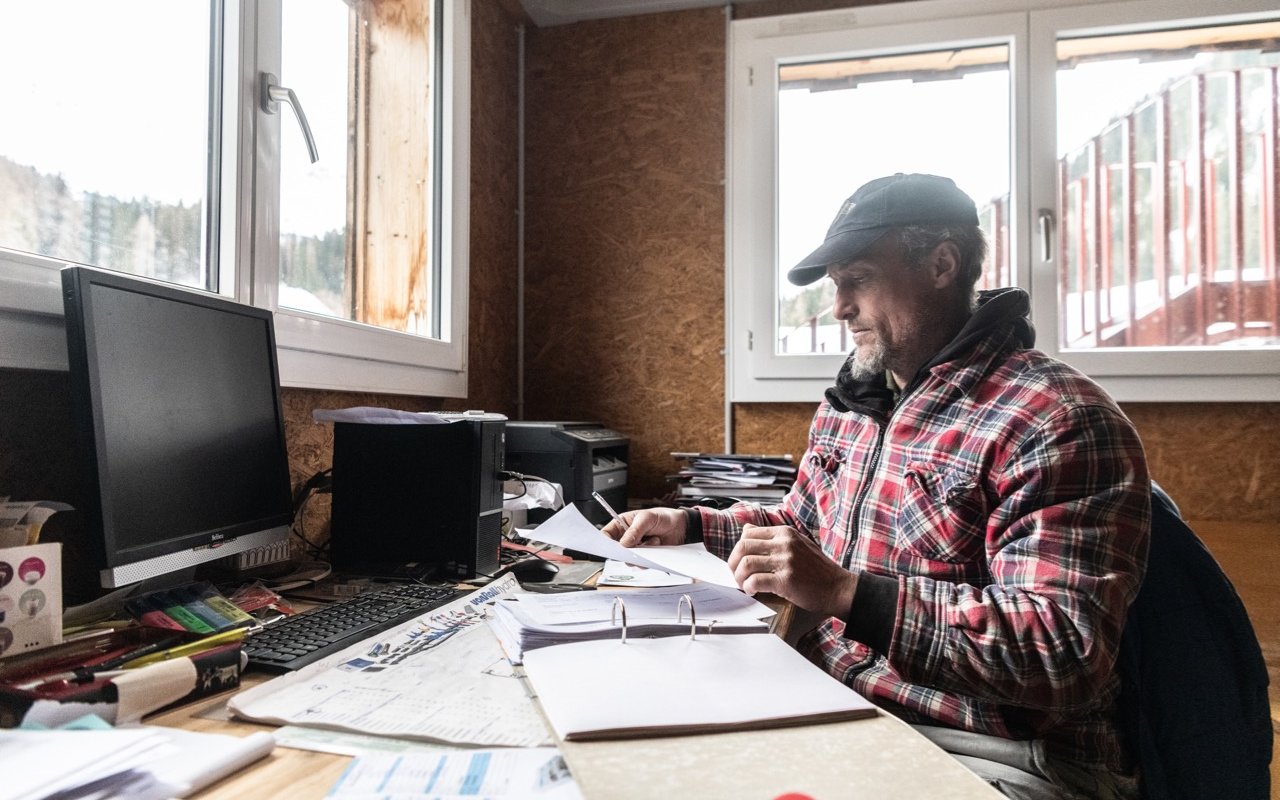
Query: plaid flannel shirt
column 1008, row 496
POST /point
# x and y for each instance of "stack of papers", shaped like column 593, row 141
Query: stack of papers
column 740, row 477
column 529, row 622
column 144, row 763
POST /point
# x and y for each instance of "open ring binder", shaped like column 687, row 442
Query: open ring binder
column 613, row 616
column 620, row 608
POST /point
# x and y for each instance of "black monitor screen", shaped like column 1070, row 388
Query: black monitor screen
column 177, row 394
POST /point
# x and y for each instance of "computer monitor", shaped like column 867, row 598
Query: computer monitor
column 176, row 402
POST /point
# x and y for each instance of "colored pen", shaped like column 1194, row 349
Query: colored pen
column 188, row 649
column 86, row 673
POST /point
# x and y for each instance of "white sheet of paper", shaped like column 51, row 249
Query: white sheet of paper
column 659, row 604
column 620, row 573
column 568, row 528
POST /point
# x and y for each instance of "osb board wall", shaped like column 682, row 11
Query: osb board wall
column 1219, row 461
column 625, row 234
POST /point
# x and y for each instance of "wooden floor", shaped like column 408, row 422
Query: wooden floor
column 1250, row 555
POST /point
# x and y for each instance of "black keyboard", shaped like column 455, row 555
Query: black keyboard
column 298, row 640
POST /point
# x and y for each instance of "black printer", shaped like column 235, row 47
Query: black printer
column 583, row 457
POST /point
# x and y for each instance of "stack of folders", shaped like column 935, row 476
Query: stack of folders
column 531, row 621
column 760, row 478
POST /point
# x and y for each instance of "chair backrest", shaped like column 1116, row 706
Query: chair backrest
column 1193, row 693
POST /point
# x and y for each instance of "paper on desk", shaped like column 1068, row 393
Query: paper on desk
column 569, row 529
column 533, row 772
column 144, row 763
column 443, row 679
column 620, row 573
column 660, row 604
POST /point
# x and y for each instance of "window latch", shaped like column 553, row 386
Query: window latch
column 271, row 94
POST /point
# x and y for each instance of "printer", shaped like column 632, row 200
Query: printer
column 583, row 457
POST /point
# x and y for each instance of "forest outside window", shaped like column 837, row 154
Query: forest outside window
column 183, row 174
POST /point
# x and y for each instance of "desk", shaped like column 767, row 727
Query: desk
column 879, row 757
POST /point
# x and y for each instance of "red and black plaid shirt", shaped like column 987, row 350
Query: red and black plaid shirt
column 1008, row 496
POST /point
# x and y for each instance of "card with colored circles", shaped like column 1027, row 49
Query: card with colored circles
column 30, row 598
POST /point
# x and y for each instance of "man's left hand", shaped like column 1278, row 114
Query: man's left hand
column 782, row 561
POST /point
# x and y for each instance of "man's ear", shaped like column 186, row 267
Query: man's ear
column 944, row 264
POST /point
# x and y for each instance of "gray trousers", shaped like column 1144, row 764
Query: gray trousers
column 1021, row 770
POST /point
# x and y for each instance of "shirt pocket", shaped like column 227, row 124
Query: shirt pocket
column 942, row 514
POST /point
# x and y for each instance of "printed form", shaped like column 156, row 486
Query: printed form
column 441, row 678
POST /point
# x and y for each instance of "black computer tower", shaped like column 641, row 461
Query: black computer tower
column 583, row 457
column 413, row 500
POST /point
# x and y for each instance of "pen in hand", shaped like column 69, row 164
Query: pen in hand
column 605, row 504
column 619, row 519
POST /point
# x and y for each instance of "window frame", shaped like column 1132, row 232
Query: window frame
column 314, row 351
column 1030, row 29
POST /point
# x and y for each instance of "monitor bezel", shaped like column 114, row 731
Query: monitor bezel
column 120, row 566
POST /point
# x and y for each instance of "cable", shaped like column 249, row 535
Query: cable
column 522, row 477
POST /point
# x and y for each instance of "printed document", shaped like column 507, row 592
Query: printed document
column 441, row 678
column 496, row 774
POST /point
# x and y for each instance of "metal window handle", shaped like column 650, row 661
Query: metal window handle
column 1046, row 235
column 271, row 94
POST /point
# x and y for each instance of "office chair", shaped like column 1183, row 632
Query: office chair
column 1193, row 697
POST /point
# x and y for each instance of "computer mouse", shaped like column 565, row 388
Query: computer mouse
column 533, row 570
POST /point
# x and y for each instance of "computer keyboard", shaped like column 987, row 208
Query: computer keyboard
column 303, row 638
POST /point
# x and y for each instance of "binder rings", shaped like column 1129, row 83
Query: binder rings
column 629, row 688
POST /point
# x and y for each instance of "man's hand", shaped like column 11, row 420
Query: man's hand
column 648, row 526
column 782, row 561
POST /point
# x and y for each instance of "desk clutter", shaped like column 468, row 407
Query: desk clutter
column 728, row 478
column 480, row 686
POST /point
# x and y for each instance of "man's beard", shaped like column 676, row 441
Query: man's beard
column 871, row 361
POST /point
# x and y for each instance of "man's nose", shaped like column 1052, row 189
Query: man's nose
column 843, row 308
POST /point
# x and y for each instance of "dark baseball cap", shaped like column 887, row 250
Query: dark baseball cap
column 879, row 205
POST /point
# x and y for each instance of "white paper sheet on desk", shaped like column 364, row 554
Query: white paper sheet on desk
column 661, row 604
column 463, row 690
column 496, row 774
column 568, row 528
column 143, row 763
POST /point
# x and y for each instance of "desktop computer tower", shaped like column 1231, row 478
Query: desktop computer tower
column 416, row 500
column 583, row 457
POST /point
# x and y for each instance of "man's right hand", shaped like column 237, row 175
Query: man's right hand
column 647, row 527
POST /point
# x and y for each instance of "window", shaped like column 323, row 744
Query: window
column 200, row 172
column 1124, row 173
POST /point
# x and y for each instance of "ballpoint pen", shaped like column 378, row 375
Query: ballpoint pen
column 605, row 504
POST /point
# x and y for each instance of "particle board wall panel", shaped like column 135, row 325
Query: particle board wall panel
column 625, row 241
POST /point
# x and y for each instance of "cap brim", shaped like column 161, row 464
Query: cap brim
column 836, row 249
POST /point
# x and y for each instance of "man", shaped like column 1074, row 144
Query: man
column 970, row 516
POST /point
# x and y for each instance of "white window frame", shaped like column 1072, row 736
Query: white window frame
column 1030, row 27
column 314, row 351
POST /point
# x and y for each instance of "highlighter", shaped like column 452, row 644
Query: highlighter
column 148, row 611
column 199, row 609
column 224, row 608
column 178, row 611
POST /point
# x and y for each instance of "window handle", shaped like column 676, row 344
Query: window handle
column 271, row 94
column 1046, row 234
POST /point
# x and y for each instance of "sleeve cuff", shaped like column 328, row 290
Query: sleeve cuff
column 875, row 606
column 692, row 525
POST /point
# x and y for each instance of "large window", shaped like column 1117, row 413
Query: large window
column 307, row 156
column 1124, row 171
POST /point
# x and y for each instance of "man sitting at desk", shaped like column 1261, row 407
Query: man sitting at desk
column 970, row 514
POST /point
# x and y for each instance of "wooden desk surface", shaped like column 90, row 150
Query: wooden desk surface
column 879, row 757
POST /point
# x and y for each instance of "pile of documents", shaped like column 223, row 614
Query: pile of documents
column 528, row 622
column 760, row 478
